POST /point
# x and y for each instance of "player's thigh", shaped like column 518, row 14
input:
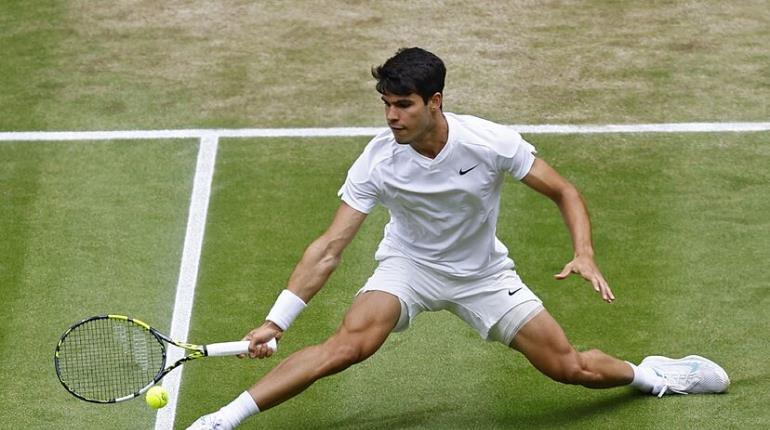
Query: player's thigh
column 369, row 321
column 544, row 344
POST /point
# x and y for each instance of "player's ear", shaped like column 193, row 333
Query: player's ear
column 435, row 102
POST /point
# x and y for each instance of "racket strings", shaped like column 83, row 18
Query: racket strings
column 106, row 359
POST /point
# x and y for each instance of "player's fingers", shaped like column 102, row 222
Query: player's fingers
column 565, row 272
column 256, row 351
column 260, row 349
column 610, row 296
column 247, row 338
column 253, row 347
column 596, row 283
column 607, row 296
column 268, row 351
column 256, row 346
column 600, row 285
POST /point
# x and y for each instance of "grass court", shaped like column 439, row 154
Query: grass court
column 681, row 226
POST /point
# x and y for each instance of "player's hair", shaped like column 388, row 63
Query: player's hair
column 411, row 70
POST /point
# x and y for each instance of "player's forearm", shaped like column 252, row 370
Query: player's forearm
column 313, row 270
column 317, row 263
column 575, row 215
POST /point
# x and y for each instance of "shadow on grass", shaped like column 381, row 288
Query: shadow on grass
column 413, row 418
column 444, row 416
column 564, row 415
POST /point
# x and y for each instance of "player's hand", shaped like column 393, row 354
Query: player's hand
column 587, row 268
column 259, row 337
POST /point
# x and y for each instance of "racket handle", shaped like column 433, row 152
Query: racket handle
column 235, row 348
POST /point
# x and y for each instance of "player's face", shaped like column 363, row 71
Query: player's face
column 408, row 117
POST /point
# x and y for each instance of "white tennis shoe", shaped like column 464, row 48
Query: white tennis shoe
column 689, row 375
column 210, row 422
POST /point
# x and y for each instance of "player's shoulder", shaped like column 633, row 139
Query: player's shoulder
column 380, row 148
column 478, row 132
column 379, row 151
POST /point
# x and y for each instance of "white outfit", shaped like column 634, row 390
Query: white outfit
column 443, row 211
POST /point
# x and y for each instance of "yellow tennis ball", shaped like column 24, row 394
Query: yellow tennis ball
column 156, row 397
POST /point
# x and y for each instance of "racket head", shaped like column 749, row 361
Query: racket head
column 109, row 358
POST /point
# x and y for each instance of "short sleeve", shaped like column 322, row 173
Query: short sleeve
column 520, row 160
column 359, row 190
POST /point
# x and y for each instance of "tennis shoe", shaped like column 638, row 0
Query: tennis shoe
column 210, row 422
column 689, row 375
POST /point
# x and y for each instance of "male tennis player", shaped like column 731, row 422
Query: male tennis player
column 440, row 176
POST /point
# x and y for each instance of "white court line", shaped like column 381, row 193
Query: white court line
column 188, row 272
column 684, row 127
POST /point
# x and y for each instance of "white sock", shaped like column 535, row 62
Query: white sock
column 645, row 379
column 239, row 409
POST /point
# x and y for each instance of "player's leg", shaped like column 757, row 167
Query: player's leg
column 544, row 344
column 503, row 309
column 365, row 327
column 517, row 318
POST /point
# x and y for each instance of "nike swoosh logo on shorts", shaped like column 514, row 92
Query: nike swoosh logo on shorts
column 510, row 293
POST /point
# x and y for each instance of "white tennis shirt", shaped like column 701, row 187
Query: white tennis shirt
column 443, row 211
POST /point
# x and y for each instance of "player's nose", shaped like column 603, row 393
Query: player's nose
column 391, row 114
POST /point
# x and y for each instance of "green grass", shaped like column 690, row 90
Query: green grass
column 88, row 228
column 680, row 234
column 680, row 221
column 659, row 204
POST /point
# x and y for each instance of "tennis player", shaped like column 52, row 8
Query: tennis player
column 440, row 176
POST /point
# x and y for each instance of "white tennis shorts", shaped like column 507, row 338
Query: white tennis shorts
column 496, row 306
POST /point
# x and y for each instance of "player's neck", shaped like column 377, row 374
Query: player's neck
column 434, row 139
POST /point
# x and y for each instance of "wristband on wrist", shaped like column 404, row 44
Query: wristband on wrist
column 286, row 308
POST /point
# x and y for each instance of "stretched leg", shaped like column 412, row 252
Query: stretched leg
column 545, row 345
column 364, row 329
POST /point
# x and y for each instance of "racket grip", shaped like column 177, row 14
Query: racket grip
column 235, row 348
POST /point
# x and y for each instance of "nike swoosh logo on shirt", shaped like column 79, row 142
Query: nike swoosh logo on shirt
column 462, row 172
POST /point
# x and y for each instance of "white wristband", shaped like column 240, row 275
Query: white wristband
column 285, row 309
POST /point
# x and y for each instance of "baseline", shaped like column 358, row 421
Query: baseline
column 684, row 127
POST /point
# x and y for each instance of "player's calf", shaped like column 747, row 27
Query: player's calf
column 591, row 369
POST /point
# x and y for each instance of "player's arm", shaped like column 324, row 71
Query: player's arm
column 547, row 181
column 324, row 254
column 318, row 262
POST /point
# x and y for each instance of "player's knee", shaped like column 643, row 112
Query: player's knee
column 338, row 356
column 347, row 354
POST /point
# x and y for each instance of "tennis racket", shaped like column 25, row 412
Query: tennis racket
column 114, row 358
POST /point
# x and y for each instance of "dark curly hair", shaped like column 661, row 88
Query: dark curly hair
column 411, row 70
